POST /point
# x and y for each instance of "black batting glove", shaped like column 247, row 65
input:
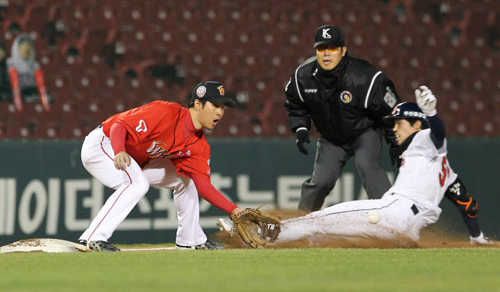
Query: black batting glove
column 302, row 136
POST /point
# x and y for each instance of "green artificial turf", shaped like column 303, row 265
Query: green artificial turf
column 466, row 269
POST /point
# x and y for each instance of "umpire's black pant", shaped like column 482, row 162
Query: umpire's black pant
column 328, row 164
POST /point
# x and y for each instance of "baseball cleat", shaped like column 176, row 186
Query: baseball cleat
column 102, row 245
column 480, row 240
column 208, row 245
column 82, row 245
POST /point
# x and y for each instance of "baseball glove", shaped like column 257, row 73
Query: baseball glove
column 256, row 229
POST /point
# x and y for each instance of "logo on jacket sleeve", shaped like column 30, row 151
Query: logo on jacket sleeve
column 142, row 126
column 346, row 97
column 390, row 97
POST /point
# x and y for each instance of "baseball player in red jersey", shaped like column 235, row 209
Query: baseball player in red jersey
column 158, row 144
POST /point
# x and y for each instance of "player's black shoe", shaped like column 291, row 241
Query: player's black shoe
column 101, row 245
column 208, row 245
column 82, row 242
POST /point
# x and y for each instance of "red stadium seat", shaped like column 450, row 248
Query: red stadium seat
column 253, row 47
column 35, row 18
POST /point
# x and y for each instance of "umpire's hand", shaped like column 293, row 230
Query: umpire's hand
column 302, row 136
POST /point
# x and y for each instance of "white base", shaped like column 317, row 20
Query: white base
column 43, row 245
column 51, row 245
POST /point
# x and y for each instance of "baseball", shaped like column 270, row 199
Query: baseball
column 374, row 217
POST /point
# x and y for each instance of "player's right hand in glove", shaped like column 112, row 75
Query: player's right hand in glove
column 302, row 136
column 254, row 228
column 426, row 101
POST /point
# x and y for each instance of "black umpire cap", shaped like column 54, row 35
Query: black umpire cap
column 212, row 91
column 329, row 35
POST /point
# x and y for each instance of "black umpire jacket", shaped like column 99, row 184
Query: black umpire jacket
column 357, row 101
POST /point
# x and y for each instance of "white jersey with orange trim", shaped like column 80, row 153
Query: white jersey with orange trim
column 410, row 205
column 425, row 175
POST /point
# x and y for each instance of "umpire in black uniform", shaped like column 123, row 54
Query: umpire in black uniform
column 346, row 98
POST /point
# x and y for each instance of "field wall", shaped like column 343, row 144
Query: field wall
column 46, row 192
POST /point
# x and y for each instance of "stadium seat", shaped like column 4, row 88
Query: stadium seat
column 35, row 18
column 252, row 47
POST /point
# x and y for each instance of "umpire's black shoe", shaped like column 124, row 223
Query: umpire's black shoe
column 101, row 245
column 208, row 245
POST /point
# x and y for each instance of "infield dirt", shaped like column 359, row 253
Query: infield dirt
column 430, row 238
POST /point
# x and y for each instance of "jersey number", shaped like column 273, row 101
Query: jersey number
column 445, row 171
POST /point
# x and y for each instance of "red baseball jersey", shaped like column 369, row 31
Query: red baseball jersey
column 156, row 130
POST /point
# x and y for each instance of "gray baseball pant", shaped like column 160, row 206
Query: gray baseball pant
column 328, row 164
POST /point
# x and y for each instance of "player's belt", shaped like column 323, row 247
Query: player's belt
column 414, row 209
column 100, row 126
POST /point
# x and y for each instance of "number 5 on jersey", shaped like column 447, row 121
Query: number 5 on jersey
column 445, row 172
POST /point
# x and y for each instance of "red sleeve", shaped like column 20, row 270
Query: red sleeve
column 40, row 82
column 16, row 89
column 208, row 192
column 117, row 136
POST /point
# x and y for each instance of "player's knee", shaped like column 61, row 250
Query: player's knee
column 366, row 166
column 325, row 185
column 140, row 186
column 182, row 185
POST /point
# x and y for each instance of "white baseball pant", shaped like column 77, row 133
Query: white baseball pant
column 131, row 185
column 398, row 222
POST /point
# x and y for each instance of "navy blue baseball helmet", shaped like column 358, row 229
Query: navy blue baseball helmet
column 407, row 110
